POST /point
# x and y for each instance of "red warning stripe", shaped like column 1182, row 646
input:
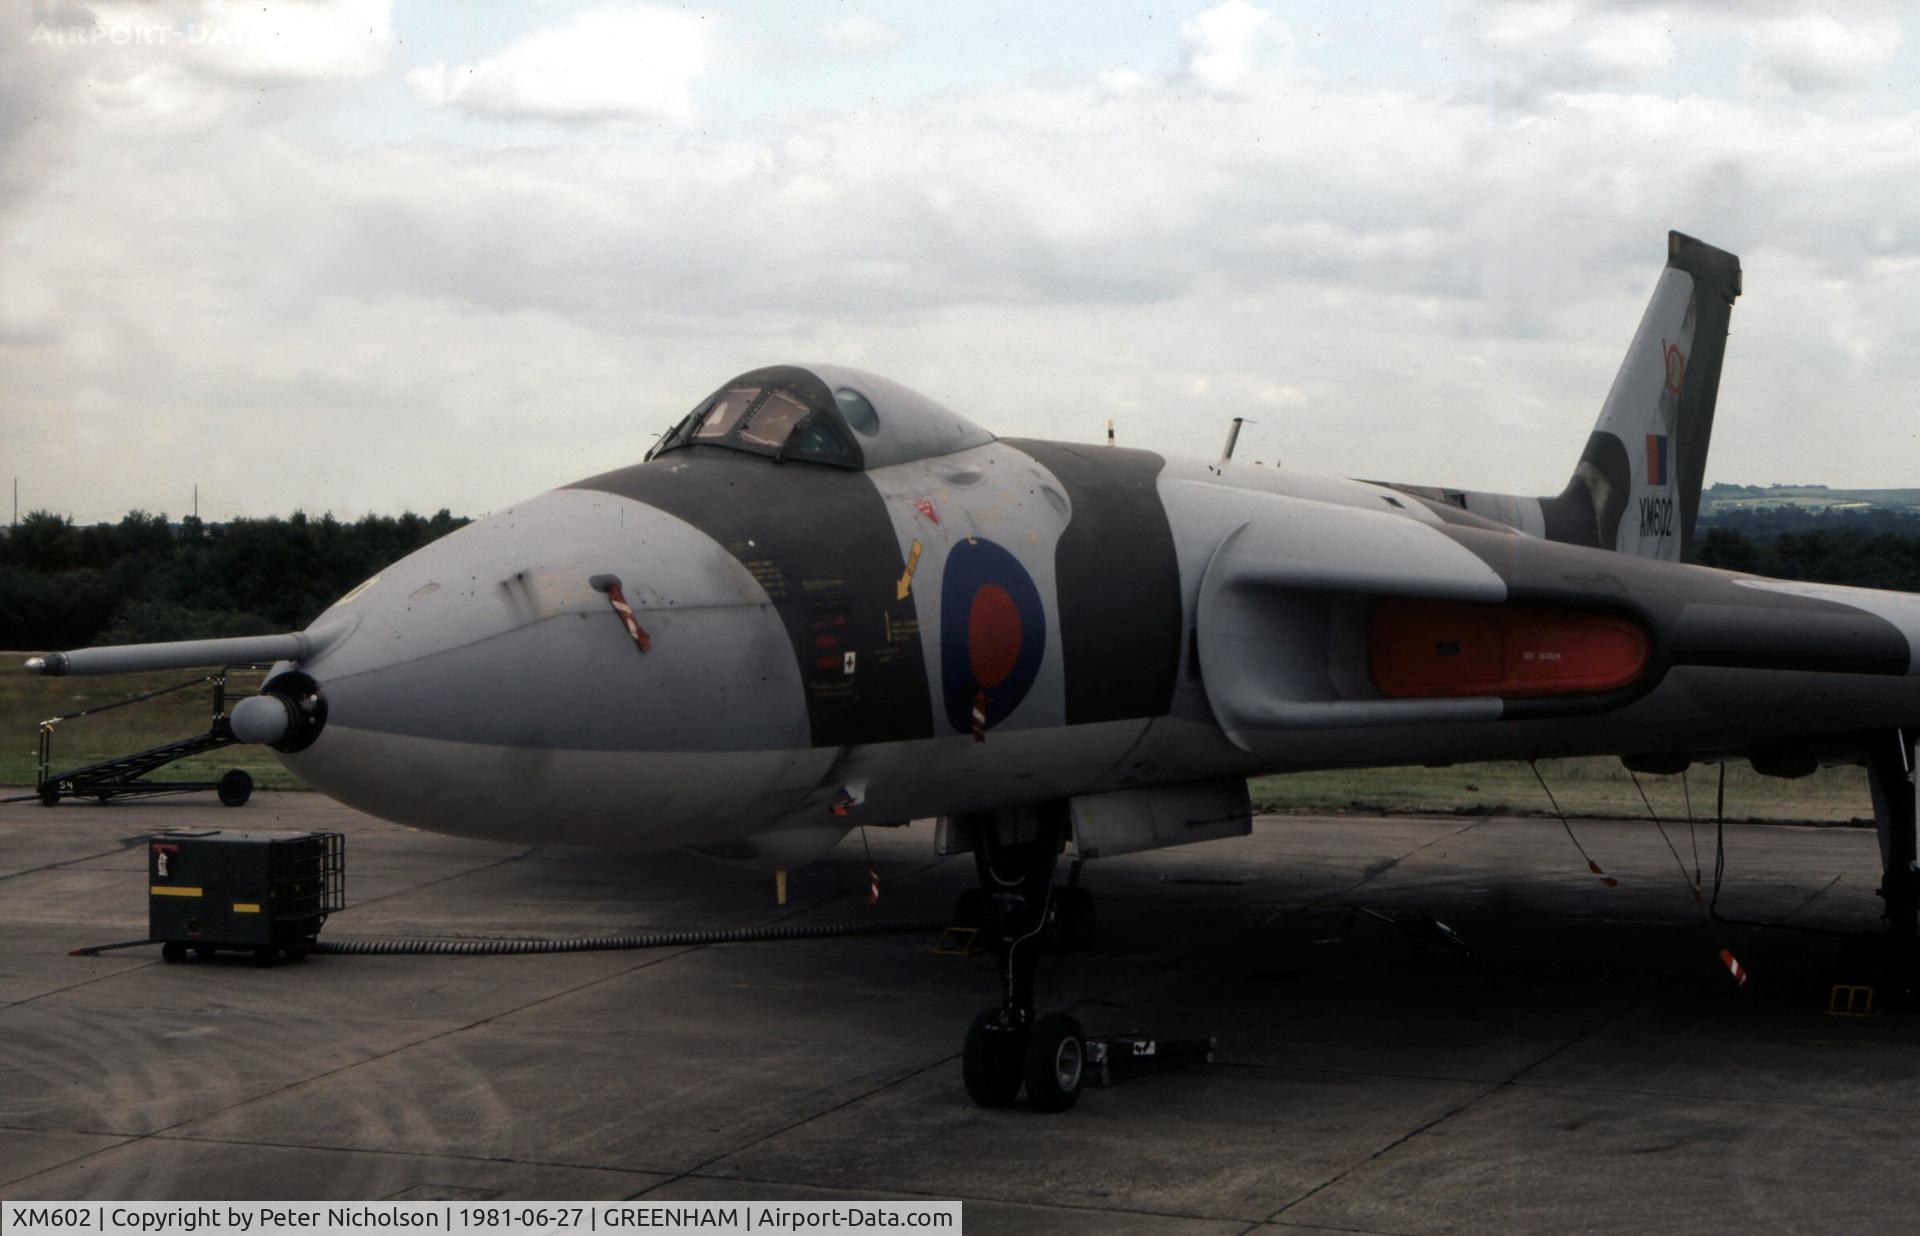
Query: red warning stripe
column 1605, row 879
column 1733, row 966
column 641, row 639
column 873, row 886
column 980, row 717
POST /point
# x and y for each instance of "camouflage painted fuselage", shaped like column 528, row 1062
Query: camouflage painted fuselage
column 1011, row 622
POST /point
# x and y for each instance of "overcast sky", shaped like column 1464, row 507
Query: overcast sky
column 370, row 256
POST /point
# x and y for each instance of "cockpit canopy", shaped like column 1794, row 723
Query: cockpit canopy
column 823, row 414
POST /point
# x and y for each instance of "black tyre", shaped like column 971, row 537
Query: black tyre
column 173, row 952
column 265, row 956
column 1079, row 920
column 1056, row 1062
column 49, row 794
column 970, row 909
column 990, row 1062
column 235, row 788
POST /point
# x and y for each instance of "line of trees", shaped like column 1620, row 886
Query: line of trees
column 1773, row 520
column 64, row 585
column 1838, row 555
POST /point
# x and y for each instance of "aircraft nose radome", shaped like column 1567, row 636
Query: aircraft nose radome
column 496, row 664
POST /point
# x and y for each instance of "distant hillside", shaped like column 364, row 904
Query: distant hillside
column 1724, row 499
column 1764, row 511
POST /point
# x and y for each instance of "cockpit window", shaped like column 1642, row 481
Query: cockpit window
column 770, row 416
column 725, row 412
column 822, row 414
column 773, row 420
column 858, row 410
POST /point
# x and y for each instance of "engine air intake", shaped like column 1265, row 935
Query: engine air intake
column 1430, row 649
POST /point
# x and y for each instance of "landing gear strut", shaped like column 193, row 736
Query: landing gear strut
column 1073, row 922
column 1890, row 767
column 1010, row 1046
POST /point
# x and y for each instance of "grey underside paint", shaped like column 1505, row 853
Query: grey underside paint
column 1700, row 713
column 548, row 795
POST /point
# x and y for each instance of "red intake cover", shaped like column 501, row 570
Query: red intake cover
column 1449, row 648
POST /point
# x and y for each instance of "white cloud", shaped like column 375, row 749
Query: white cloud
column 1815, row 50
column 1554, row 45
column 294, row 39
column 1393, row 280
column 1627, row 46
column 619, row 63
column 1532, row 48
column 1227, row 43
column 1276, row 394
column 858, row 35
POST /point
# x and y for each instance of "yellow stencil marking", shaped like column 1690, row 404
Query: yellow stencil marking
column 906, row 581
column 173, row 890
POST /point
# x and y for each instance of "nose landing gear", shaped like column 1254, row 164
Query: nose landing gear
column 1050, row 1060
column 1020, row 913
column 1010, row 1047
column 1074, row 921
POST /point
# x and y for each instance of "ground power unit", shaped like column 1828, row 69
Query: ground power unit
column 263, row 893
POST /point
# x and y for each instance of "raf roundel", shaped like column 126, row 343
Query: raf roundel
column 993, row 635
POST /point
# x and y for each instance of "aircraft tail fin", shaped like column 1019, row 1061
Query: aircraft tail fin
column 1636, row 488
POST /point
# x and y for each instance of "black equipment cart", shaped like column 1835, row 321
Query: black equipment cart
column 263, row 893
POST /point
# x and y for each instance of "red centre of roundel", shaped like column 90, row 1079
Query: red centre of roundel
column 1676, row 368
column 993, row 635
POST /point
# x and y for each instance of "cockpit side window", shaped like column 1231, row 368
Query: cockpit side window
column 858, row 411
column 814, row 438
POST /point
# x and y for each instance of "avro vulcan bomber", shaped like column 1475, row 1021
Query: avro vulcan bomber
column 824, row 600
